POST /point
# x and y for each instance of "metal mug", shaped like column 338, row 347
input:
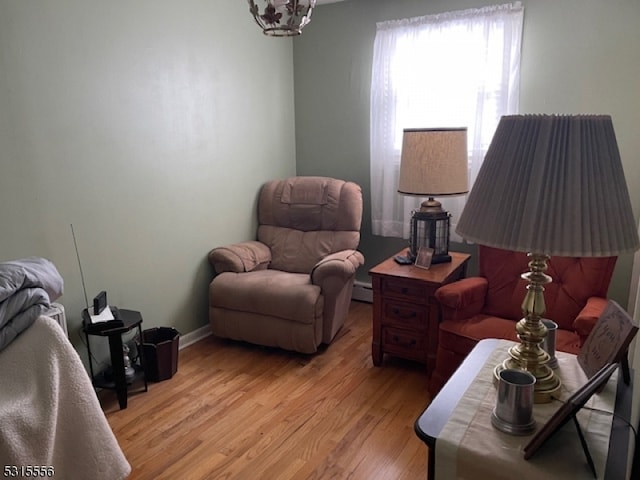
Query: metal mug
column 549, row 342
column 513, row 412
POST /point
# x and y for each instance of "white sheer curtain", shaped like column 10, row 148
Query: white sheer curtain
column 457, row 69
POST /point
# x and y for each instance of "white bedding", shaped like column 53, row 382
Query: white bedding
column 49, row 413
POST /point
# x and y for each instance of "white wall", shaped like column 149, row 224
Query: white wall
column 150, row 126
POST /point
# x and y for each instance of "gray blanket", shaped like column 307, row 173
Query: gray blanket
column 27, row 288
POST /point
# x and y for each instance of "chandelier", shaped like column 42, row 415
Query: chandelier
column 281, row 18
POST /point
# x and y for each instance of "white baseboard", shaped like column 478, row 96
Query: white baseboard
column 194, row 336
column 362, row 291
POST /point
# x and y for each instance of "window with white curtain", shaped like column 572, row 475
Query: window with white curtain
column 456, row 69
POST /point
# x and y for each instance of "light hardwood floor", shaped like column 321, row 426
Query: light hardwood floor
column 238, row 411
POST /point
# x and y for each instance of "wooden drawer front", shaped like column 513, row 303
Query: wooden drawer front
column 405, row 289
column 403, row 343
column 405, row 315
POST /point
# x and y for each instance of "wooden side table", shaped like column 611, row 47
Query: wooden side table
column 405, row 312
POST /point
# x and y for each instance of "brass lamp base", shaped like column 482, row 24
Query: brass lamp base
column 528, row 355
column 431, row 206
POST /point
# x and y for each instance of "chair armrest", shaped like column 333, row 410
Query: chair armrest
column 463, row 298
column 588, row 316
column 341, row 264
column 240, row 257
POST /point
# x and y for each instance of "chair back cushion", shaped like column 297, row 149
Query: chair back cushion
column 304, row 219
column 574, row 280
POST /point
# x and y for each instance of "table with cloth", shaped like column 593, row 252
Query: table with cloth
column 469, row 447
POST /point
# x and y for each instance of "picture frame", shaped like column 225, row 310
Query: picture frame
column 424, row 257
column 568, row 411
column 609, row 341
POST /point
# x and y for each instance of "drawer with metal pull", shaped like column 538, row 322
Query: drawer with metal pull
column 406, row 290
column 403, row 343
column 404, row 315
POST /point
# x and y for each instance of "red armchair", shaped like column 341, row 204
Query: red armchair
column 489, row 305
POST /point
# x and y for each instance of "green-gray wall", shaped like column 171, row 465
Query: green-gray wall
column 578, row 56
column 148, row 125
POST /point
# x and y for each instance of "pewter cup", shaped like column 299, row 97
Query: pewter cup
column 514, row 406
column 549, row 342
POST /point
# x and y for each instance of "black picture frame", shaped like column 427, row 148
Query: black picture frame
column 569, row 410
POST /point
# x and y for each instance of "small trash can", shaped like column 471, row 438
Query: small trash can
column 160, row 350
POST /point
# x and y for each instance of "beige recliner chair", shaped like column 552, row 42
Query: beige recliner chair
column 292, row 287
